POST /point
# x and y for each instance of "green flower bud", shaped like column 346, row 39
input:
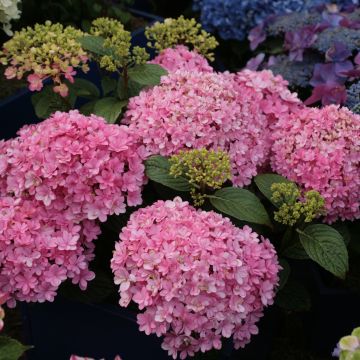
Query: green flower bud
column 181, row 31
column 118, row 41
column 204, row 169
column 292, row 208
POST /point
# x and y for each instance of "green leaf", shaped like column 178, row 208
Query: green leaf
column 85, row 88
column 47, row 102
column 157, row 169
column 241, row 204
column 108, row 85
column 284, row 273
column 133, row 89
column 88, row 108
column 109, row 108
column 94, row 44
column 293, row 296
column 11, row 349
column 326, row 246
column 147, row 74
column 295, row 251
column 265, row 181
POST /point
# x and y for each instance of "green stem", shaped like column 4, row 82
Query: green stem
column 126, row 82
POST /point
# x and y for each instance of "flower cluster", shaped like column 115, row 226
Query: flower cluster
column 293, row 207
column 349, row 346
column 233, row 19
column 353, row 97
column 273, row 95
column 181, row 31
column 228, row 112
column 45, row 51
column 118, row 41
column 196, row 276
column 319, row 46
column 40, row 249
column 8, row 11
column 203, row 169
column 181, row 58
column 297, row 73
column 46, row 212
column 319, row 150
column 105, row 157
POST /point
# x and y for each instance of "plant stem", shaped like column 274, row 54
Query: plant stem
column 126, row 82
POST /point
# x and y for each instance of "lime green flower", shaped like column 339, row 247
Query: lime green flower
column 118, row 42
column 204, row 169
column 292, row 208
column 181, row 31
column 48, row 50
column 349, row 346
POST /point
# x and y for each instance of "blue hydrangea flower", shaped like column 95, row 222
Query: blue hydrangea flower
column 292, row 22
column 348, row 37
column 296, row 73
column 233, row 19
column 353, row 97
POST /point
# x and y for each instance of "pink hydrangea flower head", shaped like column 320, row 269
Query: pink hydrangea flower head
column 195, row 275
column 181, row 58
column 39, row 249
column 74, row 164
column 319, row 149
column 192, row 110
column 274, row 97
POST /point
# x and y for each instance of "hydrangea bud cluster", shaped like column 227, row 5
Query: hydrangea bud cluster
column 9, row 11
column 47, row 214
column 47, row 160
column 191, row 110
column 181, row 31
column 44, row 51
column 203, row 169
column 294, row 207
column 319, row 150
column 40, row 249
column 197, row 277
column 349, row 346
column 181, row 58
column 118, row 41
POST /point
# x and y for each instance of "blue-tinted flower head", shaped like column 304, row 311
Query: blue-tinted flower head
column 353, row 96
column 233, row 19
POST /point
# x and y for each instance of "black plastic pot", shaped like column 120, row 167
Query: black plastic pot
column 62, row 328
column 335, row 313
column 58, row 330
